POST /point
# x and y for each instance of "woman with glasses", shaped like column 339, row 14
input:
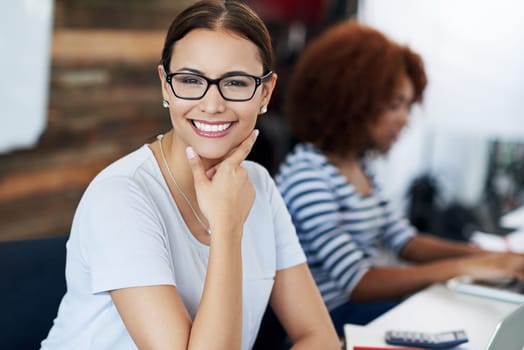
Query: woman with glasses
column 345, row 107
column 181, row 244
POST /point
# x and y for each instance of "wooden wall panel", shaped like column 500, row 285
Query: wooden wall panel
column 104, row 102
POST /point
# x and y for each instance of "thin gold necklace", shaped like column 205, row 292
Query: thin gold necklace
column 159, row 138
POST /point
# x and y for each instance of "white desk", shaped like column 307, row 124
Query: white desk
column 435, row 309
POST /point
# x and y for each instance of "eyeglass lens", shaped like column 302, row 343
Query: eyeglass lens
column 238, row 87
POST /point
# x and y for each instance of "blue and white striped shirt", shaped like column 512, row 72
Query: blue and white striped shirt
column 340, row 230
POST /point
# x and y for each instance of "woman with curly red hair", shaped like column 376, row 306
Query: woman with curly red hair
column 349, row 97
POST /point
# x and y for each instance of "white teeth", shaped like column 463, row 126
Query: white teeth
column 211, row 127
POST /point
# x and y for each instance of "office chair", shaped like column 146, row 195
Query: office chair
column 32, row 275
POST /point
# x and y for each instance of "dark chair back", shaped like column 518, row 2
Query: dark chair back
column 32, row 284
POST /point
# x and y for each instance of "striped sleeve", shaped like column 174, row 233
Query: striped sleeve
column 319, row 222
column 397, row 231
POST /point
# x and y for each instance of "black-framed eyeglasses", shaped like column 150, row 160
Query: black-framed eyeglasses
column 236, row 87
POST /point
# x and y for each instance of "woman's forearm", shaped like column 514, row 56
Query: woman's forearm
column 397, row 282
column 298, row 304
column 383, row 283
column 218, row 322
column 426, row 248
column 318, row 341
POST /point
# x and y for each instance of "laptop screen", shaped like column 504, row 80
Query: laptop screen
column 509, row 334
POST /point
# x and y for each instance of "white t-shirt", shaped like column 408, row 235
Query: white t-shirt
column 128, row 232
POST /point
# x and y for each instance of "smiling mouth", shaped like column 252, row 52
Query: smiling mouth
column 211, row 127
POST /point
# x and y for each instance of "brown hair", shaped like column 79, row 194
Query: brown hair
column 234, row 16
column 342, row 82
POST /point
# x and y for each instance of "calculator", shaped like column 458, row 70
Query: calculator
column 442, row 340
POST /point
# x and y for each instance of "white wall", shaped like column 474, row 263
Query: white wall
column 474, row 56
column 25, row 38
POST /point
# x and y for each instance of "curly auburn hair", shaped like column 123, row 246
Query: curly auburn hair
column 341, row 84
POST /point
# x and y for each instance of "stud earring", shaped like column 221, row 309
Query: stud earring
column 165, row 104
column 263, row 109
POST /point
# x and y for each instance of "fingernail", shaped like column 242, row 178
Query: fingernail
column 256, row 133
column 190, row 152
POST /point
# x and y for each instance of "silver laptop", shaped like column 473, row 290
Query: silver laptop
column 509, row 334
column 508, row 290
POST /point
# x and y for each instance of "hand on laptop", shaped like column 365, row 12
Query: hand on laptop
column 494, row 265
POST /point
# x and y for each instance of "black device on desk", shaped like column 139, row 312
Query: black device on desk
column 442, row 340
